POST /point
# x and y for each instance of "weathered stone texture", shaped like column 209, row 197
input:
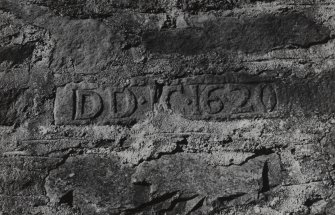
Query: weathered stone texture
column 167, row 107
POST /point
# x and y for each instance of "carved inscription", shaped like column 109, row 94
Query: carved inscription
column 220, row 100
column 196, row 98
column 88, row 104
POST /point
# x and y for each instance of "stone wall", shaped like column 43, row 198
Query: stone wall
column 167, row 107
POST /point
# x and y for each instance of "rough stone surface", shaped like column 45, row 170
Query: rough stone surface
column 167, row 107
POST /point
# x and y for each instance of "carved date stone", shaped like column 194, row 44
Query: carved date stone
column 196, row 98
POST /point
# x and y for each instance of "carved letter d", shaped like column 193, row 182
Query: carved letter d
column 82, row 99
